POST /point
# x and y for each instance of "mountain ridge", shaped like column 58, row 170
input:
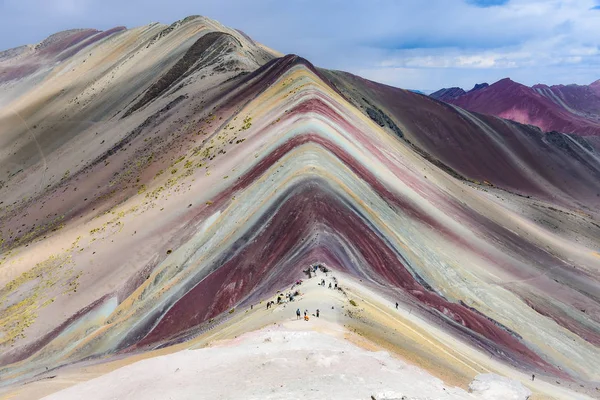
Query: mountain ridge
column 573, row 109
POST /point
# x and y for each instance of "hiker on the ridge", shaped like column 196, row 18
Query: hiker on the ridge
column 329, row 285
column 298, row 314
column 532, row 377
column 396, row 305
column 317, row 313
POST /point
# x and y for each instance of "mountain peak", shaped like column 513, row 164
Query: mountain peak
column 478, row 86
column 447, row 94
column 506, row 81
column 509, row 84
column 595, row 87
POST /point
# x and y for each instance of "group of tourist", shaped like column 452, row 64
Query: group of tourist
column 306, row 317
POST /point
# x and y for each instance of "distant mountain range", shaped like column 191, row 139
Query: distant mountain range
column 563, row 108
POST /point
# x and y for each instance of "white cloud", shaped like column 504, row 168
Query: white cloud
column 560, row 43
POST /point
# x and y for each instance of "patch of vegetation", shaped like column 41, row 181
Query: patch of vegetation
column 23, row 297
column 247, row 123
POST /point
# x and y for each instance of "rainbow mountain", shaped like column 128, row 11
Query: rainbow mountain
column 160, row 184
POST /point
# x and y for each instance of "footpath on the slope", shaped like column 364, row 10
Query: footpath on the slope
column 291, row 358
column 260, row 353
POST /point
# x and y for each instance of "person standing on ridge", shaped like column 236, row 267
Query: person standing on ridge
column 298, row 314
column 396, row 305
column 317, row 313
column 532, row 377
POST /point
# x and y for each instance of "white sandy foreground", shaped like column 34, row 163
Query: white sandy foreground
column 287, row 361
column 268, row 354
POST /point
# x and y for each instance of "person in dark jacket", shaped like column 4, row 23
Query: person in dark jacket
column 298, row 314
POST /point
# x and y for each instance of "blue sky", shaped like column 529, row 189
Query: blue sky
column 420, row 44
